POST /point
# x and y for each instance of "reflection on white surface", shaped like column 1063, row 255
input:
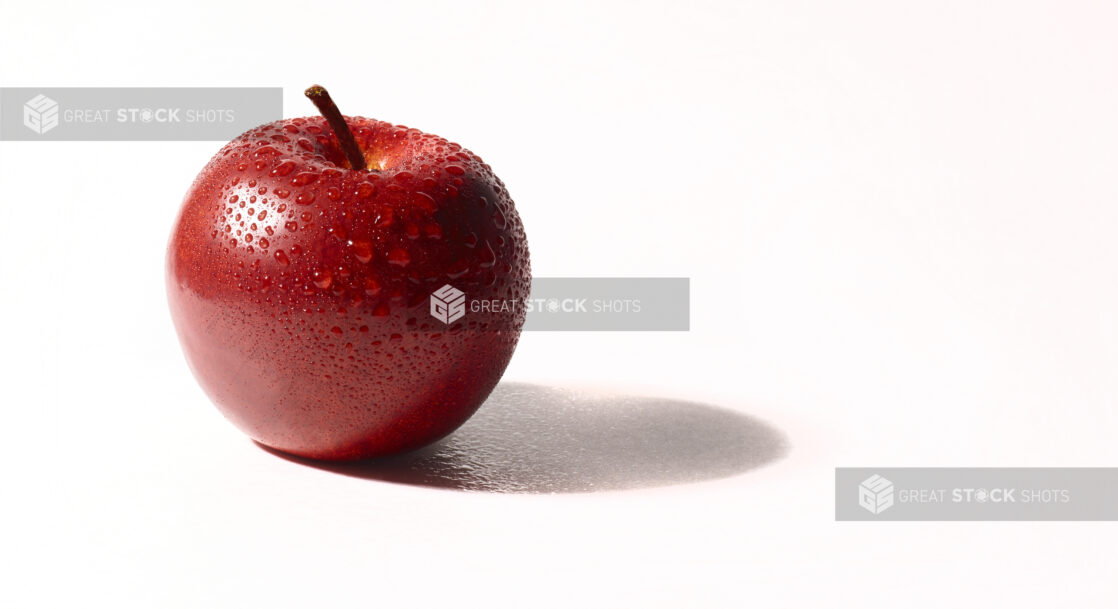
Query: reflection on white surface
column 535, row 439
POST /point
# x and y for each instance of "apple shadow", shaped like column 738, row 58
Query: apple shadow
column 535, row 439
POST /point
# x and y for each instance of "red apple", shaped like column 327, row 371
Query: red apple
column 299, row 275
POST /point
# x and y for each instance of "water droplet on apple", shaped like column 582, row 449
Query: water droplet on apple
column 281, row 258
column 302, row 179
column 455, row 170
column 284, row 168
column 362, row 249
column 424, row 201
column 384, row 218
column 399, row 257
column 322, row 278
column 486, row 256
column 457, row 269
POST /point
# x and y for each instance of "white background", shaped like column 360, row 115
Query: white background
column 898, row 219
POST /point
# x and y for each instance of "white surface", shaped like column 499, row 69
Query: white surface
column 899, row 223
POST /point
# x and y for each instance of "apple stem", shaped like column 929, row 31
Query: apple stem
column 334, row 118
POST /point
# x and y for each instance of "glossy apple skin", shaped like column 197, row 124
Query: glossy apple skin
column 300, row 288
